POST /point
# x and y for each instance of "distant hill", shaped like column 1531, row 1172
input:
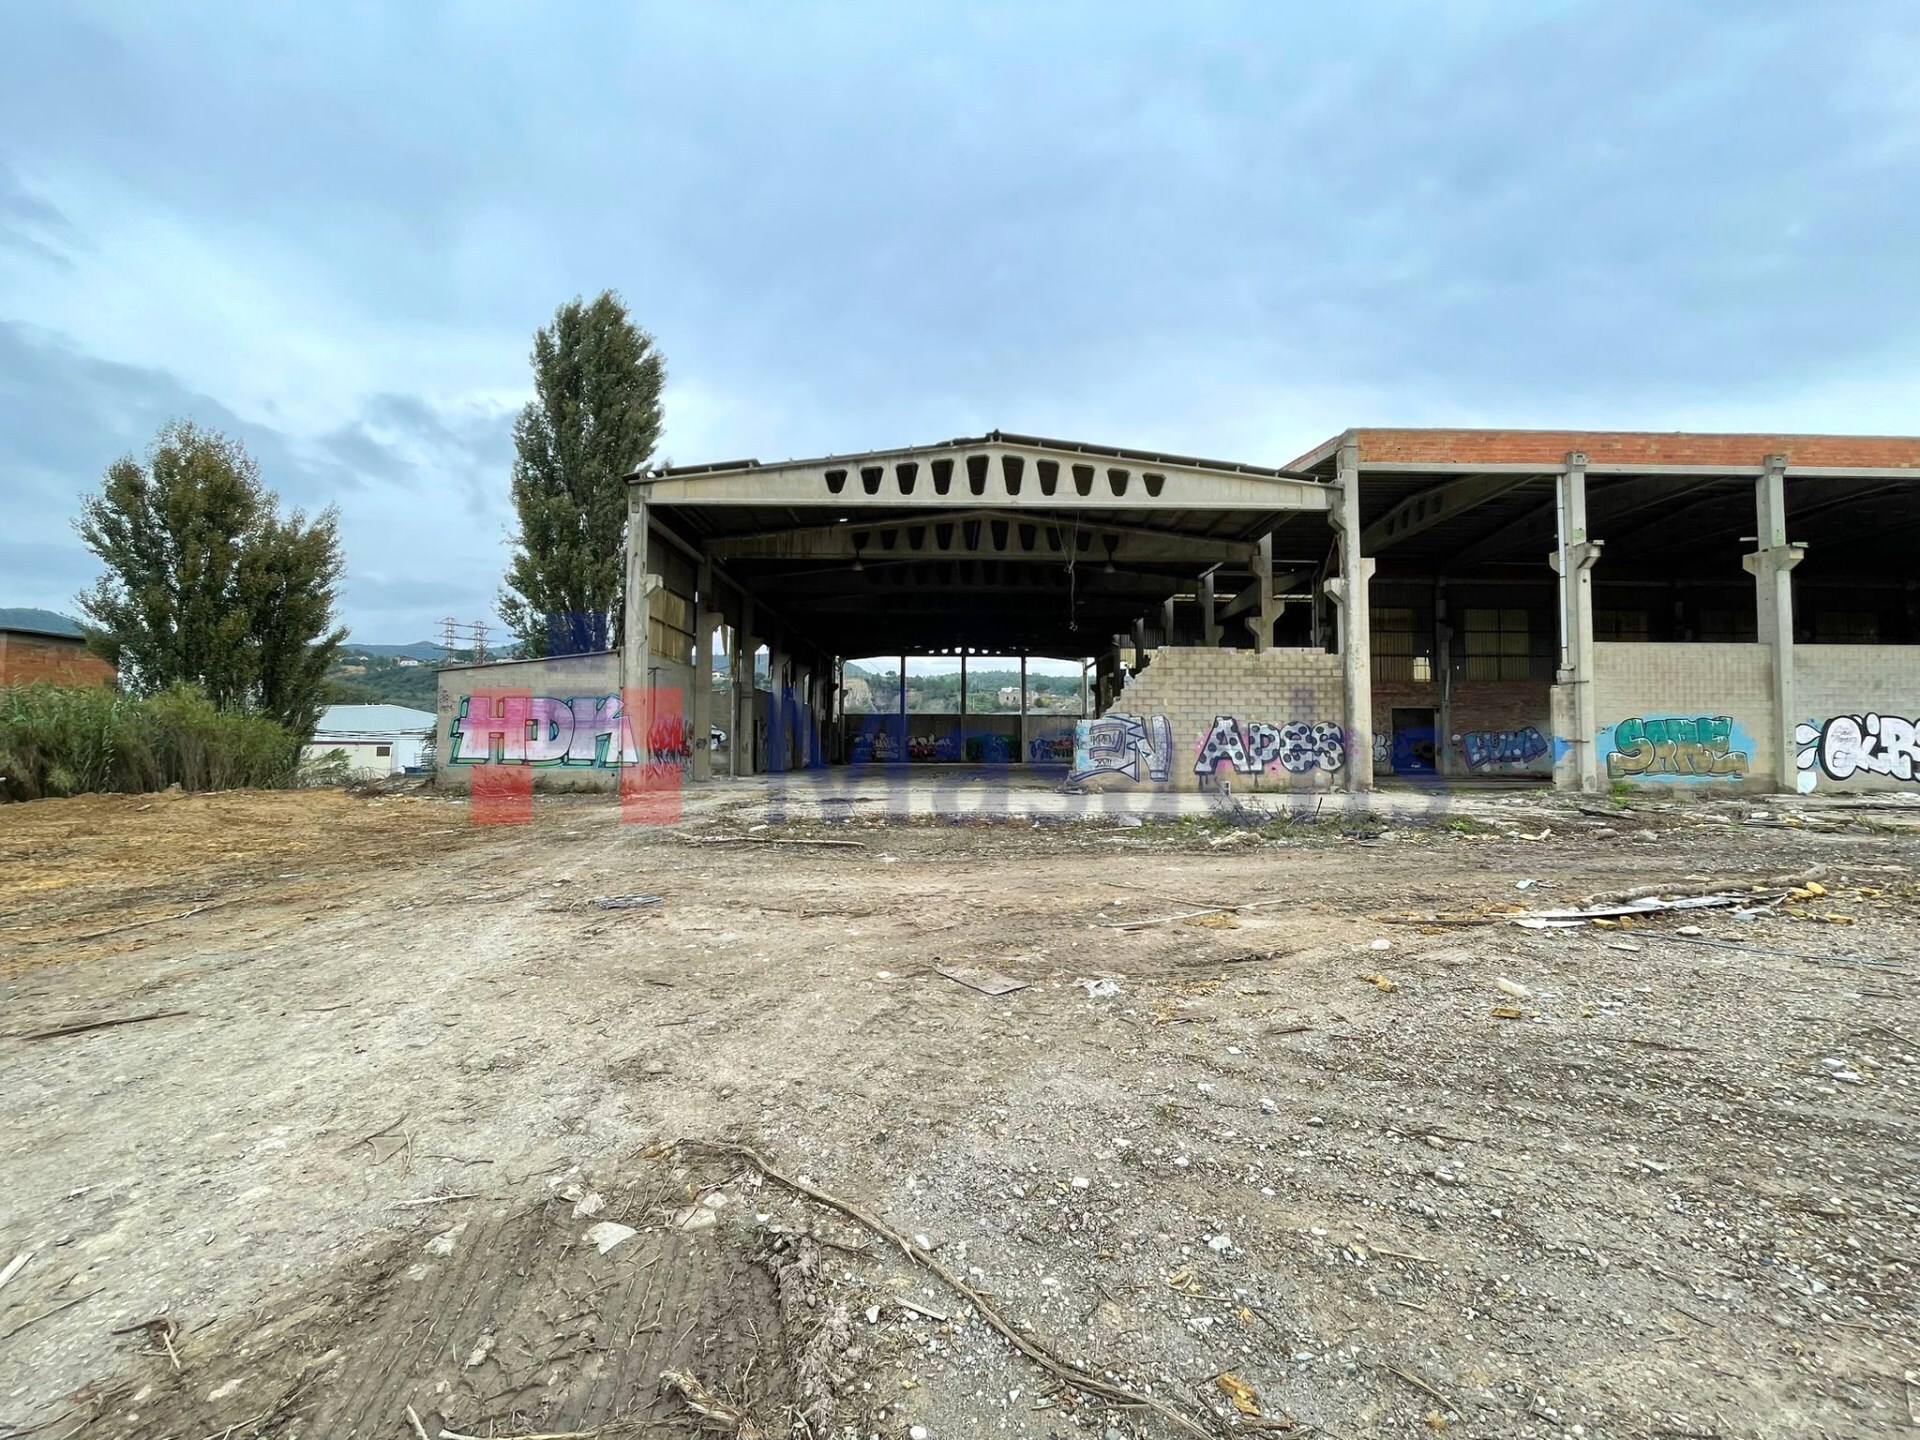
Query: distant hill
column 418, row 650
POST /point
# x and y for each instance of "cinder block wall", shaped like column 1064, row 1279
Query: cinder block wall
column 1195, row 686
column 1850, row 684
column 1637, row 683
column 569, row 677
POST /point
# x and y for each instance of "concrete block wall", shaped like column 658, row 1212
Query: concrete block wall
column 1859, row 714
column 1194, row 687
column 1501, row 727
column 585, row 681
column 1648, row 699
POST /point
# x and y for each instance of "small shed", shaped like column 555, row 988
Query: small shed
column 376, row 739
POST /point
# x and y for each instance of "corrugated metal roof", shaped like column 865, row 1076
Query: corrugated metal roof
column 374, row 720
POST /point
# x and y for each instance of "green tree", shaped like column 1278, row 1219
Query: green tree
column 206, row 583
column 595, row 416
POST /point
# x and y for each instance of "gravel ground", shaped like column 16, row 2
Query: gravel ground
column 1369, row 1176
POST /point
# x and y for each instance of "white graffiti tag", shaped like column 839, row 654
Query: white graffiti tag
column 1120, row 744
column 1296, row 747
column 1849, row 745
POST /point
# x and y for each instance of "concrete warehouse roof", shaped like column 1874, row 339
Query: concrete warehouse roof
column 1004, row 543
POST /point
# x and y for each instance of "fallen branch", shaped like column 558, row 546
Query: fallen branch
column 434, row 1199
column 35, row 1319
column 763, row 840
column 1062, row 1370
column 1701, row 885
column 1419, row 1384
column 13, row 1266
column 708, row 1406
column 98, row 1025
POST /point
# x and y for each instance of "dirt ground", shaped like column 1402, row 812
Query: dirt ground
column 1302, row 1167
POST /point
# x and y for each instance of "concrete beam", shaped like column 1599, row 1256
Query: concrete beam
column 1002, row 473
column 993, row 534
column 1435, row 505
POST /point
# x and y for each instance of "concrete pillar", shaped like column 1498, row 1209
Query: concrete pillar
column 702, row 699
column 1349, row 591
column 1084, row 696
column 1166, row 622
column 1573, row 560
column 1209, row 620
column 1443, row 676
column 1771, row 566
column 635, row 623
column 1267, row 612
column 779, row 707
column 1023, row 698
column 746, row 645
column 1139, row 646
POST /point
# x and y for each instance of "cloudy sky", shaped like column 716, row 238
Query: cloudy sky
column 1220, row 229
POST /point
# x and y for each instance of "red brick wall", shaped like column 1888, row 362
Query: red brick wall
column 27, row 658
column 1549, row 448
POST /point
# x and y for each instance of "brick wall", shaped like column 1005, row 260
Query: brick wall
column 25, row 659
column 1851, row 683
column 1549, row 448
column 1196, row 686
column 1638, row 683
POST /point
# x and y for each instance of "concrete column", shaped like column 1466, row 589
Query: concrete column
column 1267, row 612
column 1139, row 646
column 1771, row 566
column 1166, row 622
column 1084, row 697
column 635, row 623
column 746, row 645
column 1573, row 560
column 702, row 699
column 1023, row 698
column 1443, row 676
column 779, row 710
column 1209, row 620
column 1349, row 591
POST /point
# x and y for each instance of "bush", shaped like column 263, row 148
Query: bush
column 56, row 740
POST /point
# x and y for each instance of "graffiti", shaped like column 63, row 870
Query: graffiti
column 990, row 749
column 1484, row 749
column 1120, row 744
column 1053, row 749
column 581, row 730
column 1296, row 747
column 1676, row 748
column 1847, row 745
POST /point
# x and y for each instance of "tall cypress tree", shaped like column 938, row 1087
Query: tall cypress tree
column 595, row 415
column 206, row 583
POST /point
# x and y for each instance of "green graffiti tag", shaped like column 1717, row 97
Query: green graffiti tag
column 1677, row 747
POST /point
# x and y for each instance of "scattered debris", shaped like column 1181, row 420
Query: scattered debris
column 625, row 902
column 15, row 1265
column 987, row 982
column 1513, row 988
column 608, row 1234
column 1099, row 989
column 1085, row 1381
column 1240, row 1393
column 1381, row 983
